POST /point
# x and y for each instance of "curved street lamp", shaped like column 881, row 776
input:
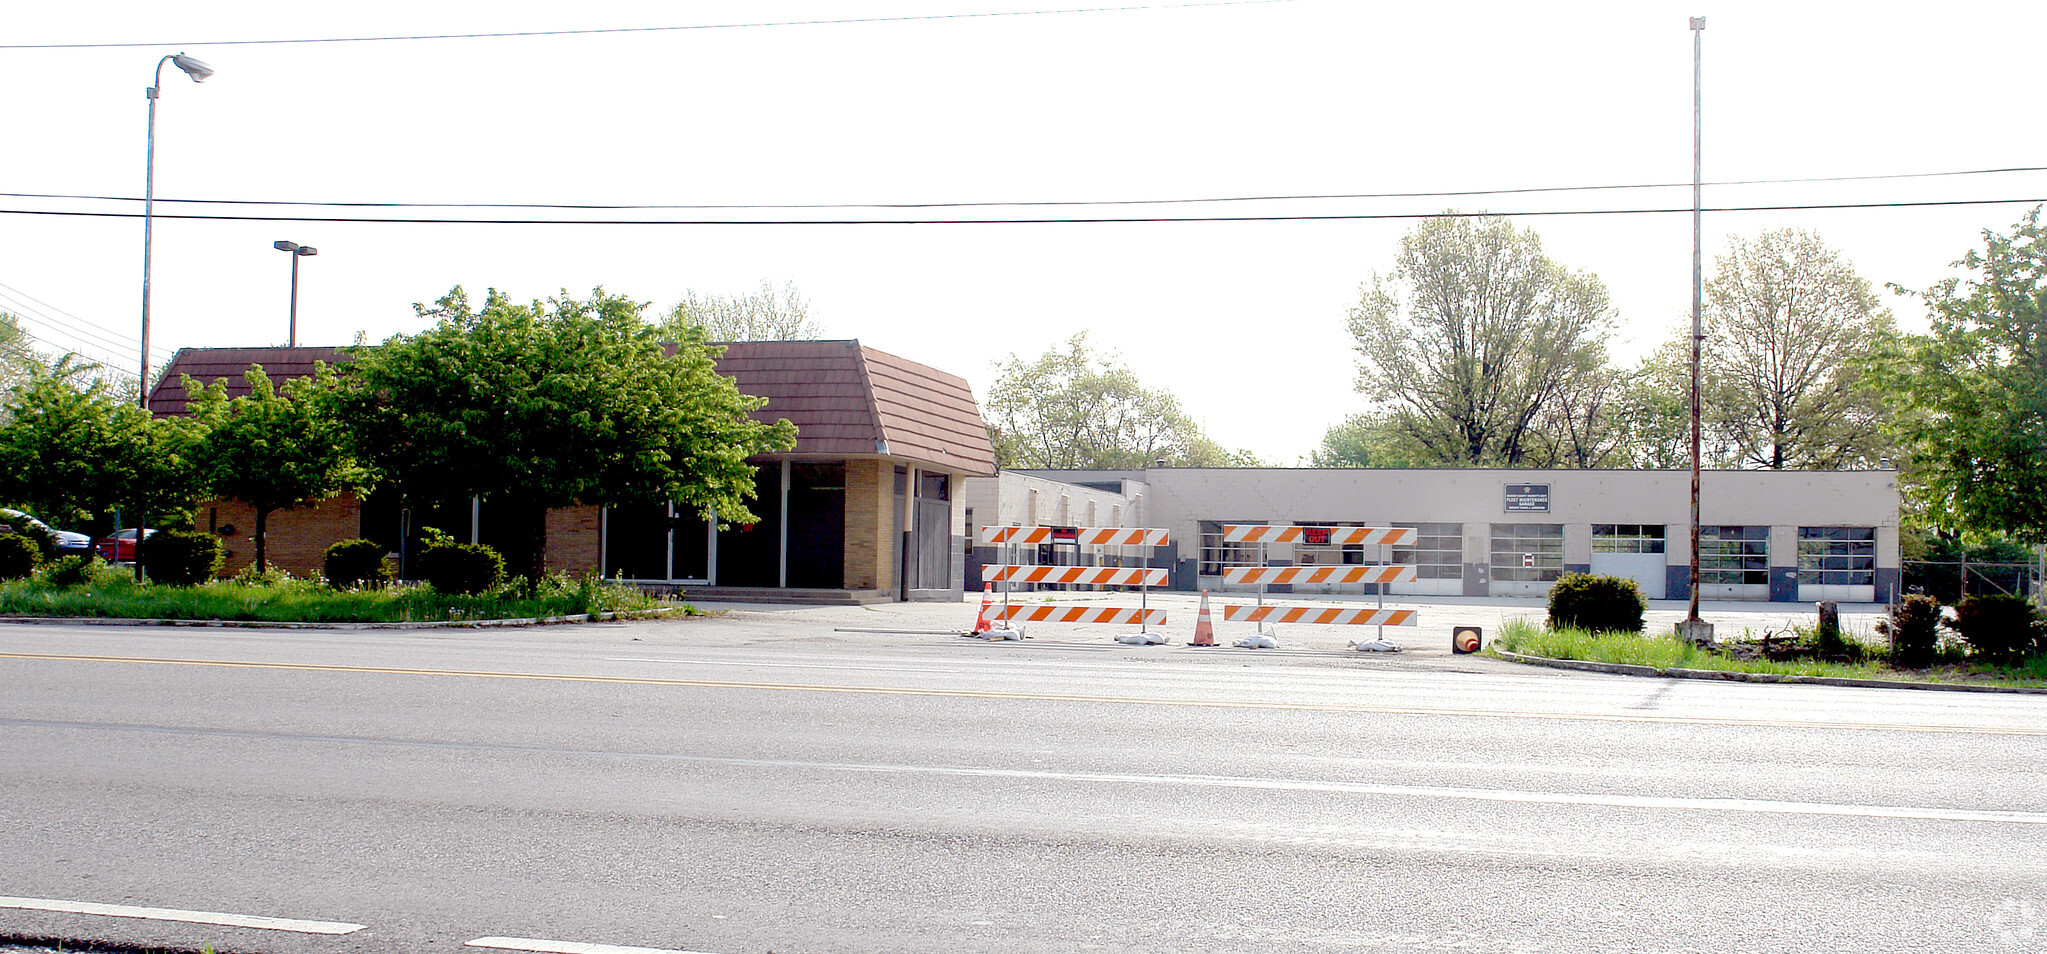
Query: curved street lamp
column 297, row 252
column 199, row 71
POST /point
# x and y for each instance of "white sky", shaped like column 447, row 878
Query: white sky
column 1243, row 321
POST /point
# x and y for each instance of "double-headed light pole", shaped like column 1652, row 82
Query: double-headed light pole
column 297, row 252
column 199, row 72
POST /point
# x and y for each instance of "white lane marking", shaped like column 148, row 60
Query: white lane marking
column 1754, row 805
column 1655, row 802
column 565, row 947
column 172, row 914
column 761, row 665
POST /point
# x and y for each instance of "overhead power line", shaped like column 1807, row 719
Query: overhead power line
column 78, row 335
column 1062, row 220
column 842, row 21
column 1072, row 203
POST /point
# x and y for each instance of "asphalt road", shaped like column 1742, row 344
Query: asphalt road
column 769, row 782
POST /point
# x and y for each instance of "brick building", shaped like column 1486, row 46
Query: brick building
column 866, row 507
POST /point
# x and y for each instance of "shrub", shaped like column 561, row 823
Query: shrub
column 464, row 569
column 271, row 575
column 76, row 570
column 1914, row 629
column 182, row 557
column 354, row 564
column 1999, row 629
column 18, row 556
column 1596, row 603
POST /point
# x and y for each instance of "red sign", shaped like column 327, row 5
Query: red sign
column 1065, row 534
column 1315, row 536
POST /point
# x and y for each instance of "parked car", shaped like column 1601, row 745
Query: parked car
column 64, row 541
column 120, row 547
column 73, row 543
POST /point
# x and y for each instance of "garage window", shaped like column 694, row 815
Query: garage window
column 1837, row 556
column 1437, row 553
column 1734, row 555
column 1627, row 538
column 1528, row 552
column 1218, row 554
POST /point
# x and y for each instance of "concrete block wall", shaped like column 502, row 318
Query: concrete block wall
column 1179, row 499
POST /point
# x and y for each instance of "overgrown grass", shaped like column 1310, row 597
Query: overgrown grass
column 1668, row 652
column 280, row 599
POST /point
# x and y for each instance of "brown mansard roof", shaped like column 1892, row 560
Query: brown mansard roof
column 846, row 399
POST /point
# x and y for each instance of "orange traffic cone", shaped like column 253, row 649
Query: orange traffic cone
column 1204, row 631
column 982, row 623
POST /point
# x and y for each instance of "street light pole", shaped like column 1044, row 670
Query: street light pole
column 297, row 252
column 1693, row 628
column 199, row 72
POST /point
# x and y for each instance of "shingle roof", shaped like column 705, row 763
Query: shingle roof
column 207, row 365
column 846, row 399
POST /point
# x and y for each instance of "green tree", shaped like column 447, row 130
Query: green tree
column 1360, row 440
column 1791, row 329
column 766, row 314
column 1655, row 411
column 17, row 352
column 73, row 449
column 1970, row 398
column 549, row 404
column 1080, row 409
column 1473, row 334
column 269, row 450
column 1589, row 421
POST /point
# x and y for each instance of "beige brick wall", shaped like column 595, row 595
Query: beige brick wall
column 573, row 541
column 870, row 525
column 298, row 538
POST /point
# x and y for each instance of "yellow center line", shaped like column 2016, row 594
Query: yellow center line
column 1048, row 696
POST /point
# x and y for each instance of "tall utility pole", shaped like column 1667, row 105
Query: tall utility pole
column 1693, row 628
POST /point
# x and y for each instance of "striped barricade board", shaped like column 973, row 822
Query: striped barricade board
column 1336, row 615
column 1085, row 536
column 1318, row 536
column 1078, row 575
column 1080, row 614
column 1286, row 575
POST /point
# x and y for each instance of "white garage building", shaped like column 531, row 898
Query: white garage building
column 1786, row 536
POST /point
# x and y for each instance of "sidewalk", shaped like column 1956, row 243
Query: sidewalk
column 1435, row 617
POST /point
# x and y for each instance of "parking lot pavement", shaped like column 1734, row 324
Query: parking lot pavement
column 1430, row 635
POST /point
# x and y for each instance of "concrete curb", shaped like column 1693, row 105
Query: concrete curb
column 346, row 627
column 1623, row 669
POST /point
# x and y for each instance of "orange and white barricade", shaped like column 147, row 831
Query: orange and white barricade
column 1381, row 574
column 1319, row 536
column 1144, row 578
column 1289, row 575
